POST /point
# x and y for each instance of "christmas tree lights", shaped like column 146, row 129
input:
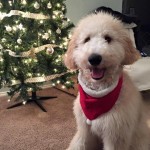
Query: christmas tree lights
column 34, row 36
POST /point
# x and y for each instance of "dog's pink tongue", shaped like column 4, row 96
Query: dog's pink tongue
column 97, row 73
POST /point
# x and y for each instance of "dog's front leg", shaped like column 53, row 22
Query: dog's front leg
column 116, row 142
column 117, row 136
column 111, row 145
column 84, row 140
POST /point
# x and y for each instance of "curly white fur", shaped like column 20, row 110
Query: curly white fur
column 95, row 93
column 123, row 127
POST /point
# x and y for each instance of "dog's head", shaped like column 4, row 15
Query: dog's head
column 101, row 44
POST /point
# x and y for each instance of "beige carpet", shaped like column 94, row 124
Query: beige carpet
column 28, row 128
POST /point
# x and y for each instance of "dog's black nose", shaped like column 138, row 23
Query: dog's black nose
column 95, row 59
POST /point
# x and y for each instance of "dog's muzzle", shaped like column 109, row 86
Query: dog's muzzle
column 94, row 61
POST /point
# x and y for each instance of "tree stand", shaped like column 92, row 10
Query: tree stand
column 36, row 99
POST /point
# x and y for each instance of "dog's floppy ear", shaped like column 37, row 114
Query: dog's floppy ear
column 68, row 57
column 131, row 53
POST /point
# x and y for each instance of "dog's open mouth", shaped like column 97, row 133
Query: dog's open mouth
column 97, row 73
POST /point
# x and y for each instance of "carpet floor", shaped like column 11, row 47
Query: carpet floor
column 29, row 128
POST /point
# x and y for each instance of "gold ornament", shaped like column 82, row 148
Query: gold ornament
column 19, row 41
column 58, row 31
column 36, row 5
column 49, row 5
column 50, row 50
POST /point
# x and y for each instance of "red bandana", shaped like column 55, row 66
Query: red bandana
column 94, row 107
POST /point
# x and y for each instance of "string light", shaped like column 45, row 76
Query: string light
column 29, row 60
column 61, row 46
column 49, row 31
column 68, row 82
column 53, row 84
column 61, row 16
column 55, row 70
column 25, row 61
column 16, row 21
column 8, row 45
column 58, row 81
column 35, row 60
column 53, row 41
column 54, row 17
column 65, row 23
column 20, row 26
column 65, row 39
column 57, row 60
column 23, row 29
column 1, row 59
column 14, row 28
column 24, row 2
column 1, row 5
column 45, row 36
column 29, row 74
column 24, row 102
column 15, row 69
column 13, row 81
column 16, row 46
column 41, row 21
column 68, row 19
column 35, row 43
column 1, row 47
column 38, row 74
column 3, row 40
column 65, row 43
column 30, row 89
column 39, row 34
column 10, row 3
column 8, row 100
column 70, row 35
column 63, row 87
column 56, row 12
column 63, row 8
column 8, row 28
column 58, row 5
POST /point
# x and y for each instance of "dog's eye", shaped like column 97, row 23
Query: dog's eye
column 108, row 38
column 86, row 39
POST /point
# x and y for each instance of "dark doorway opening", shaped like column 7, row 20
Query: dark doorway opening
column 141, row 10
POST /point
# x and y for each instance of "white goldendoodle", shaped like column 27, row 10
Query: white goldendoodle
column 108, row 107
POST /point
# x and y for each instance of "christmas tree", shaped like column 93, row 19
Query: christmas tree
column 34, row 36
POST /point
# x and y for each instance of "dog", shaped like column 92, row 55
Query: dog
column 108, row 108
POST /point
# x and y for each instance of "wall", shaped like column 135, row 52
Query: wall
column 76, row 9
